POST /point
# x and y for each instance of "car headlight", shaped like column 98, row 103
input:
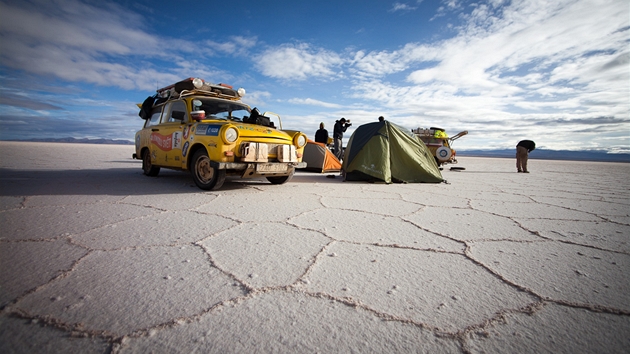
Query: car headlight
column 229, row 135
column 300, row 140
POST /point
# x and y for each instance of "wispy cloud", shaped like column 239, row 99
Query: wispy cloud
column 397, row 6
column 237, row 45
column 528, row 60
column 298, row 62
column 512, row 69
column 104, row 45
column 314, row 102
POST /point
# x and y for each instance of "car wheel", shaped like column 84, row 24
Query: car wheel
column 281, row 180
column 147, row 166
column 205, row 176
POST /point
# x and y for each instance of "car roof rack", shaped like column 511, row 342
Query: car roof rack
column 196, row 86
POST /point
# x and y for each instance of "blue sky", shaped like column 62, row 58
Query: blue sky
column 557, row 72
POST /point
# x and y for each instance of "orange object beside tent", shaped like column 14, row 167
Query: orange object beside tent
column 319, row 159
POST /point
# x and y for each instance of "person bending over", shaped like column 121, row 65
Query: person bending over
column 523, row 148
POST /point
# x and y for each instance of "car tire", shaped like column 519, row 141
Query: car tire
column 147, row 166
column 282, row 179
column 204, row 174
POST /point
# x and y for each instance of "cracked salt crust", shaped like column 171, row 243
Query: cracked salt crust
column 264, row 255
column 119, row 292
column 47, row 222
column 150, row 230
column 570, row 273
column 361, row 227
column 469, row 224
column 21, row 273
column 434, row 289
column 94, row 255
column 293, row 323
column 554, row 329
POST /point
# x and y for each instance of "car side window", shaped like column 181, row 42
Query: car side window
column 177, row 113
column 156, row 113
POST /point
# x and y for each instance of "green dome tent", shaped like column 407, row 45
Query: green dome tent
column 387, row 152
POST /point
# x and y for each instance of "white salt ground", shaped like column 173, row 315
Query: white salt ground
column 97, row 257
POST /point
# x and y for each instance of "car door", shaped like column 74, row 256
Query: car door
column 143, row 137
column 166, row 137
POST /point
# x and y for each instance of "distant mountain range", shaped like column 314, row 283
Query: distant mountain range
column 541, row 154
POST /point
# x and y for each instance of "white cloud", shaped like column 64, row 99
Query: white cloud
column 298, row 62
column 397, row 6
column 256, row 98
column 527, row 61
column 513, row 69
column 237, row 45
column 314, row 102
column 104, row 45
column 379, row 64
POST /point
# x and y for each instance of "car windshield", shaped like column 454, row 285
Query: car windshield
column 219, row 109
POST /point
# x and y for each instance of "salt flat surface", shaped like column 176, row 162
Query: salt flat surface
column 95, row 257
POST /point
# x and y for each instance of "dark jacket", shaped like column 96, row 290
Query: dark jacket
column 339, row 129
column 321, row 136
column 527, row 144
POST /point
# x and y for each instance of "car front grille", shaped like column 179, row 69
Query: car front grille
column 261, row 152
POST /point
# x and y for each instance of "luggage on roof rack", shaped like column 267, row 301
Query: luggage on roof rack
column 199, row 86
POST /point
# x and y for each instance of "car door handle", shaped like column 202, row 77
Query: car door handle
column 155, row 130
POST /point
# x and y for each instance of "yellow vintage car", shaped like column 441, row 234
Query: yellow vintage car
column 439, row 143
column 204, row 128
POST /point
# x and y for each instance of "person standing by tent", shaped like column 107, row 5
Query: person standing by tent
column 321, row 135
column 523, row 148
column 340, row 127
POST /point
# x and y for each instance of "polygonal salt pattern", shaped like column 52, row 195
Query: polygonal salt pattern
column 563, row 272
column 554, row 329
column 265, row 254
column 361, row 227
column 170, row 201
column 442, row 200
column 119, row 292
column 383, row 206
column 168, row 228
column 531, row 210
column 604, row 235
column 97, row 257
column 21, row 273
column 469, row 224
column 601, row 208
column 53, row 221
column 281, row 322
column 432, row 288
column 242, row 207
column 70, row 199
column 18, row 335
